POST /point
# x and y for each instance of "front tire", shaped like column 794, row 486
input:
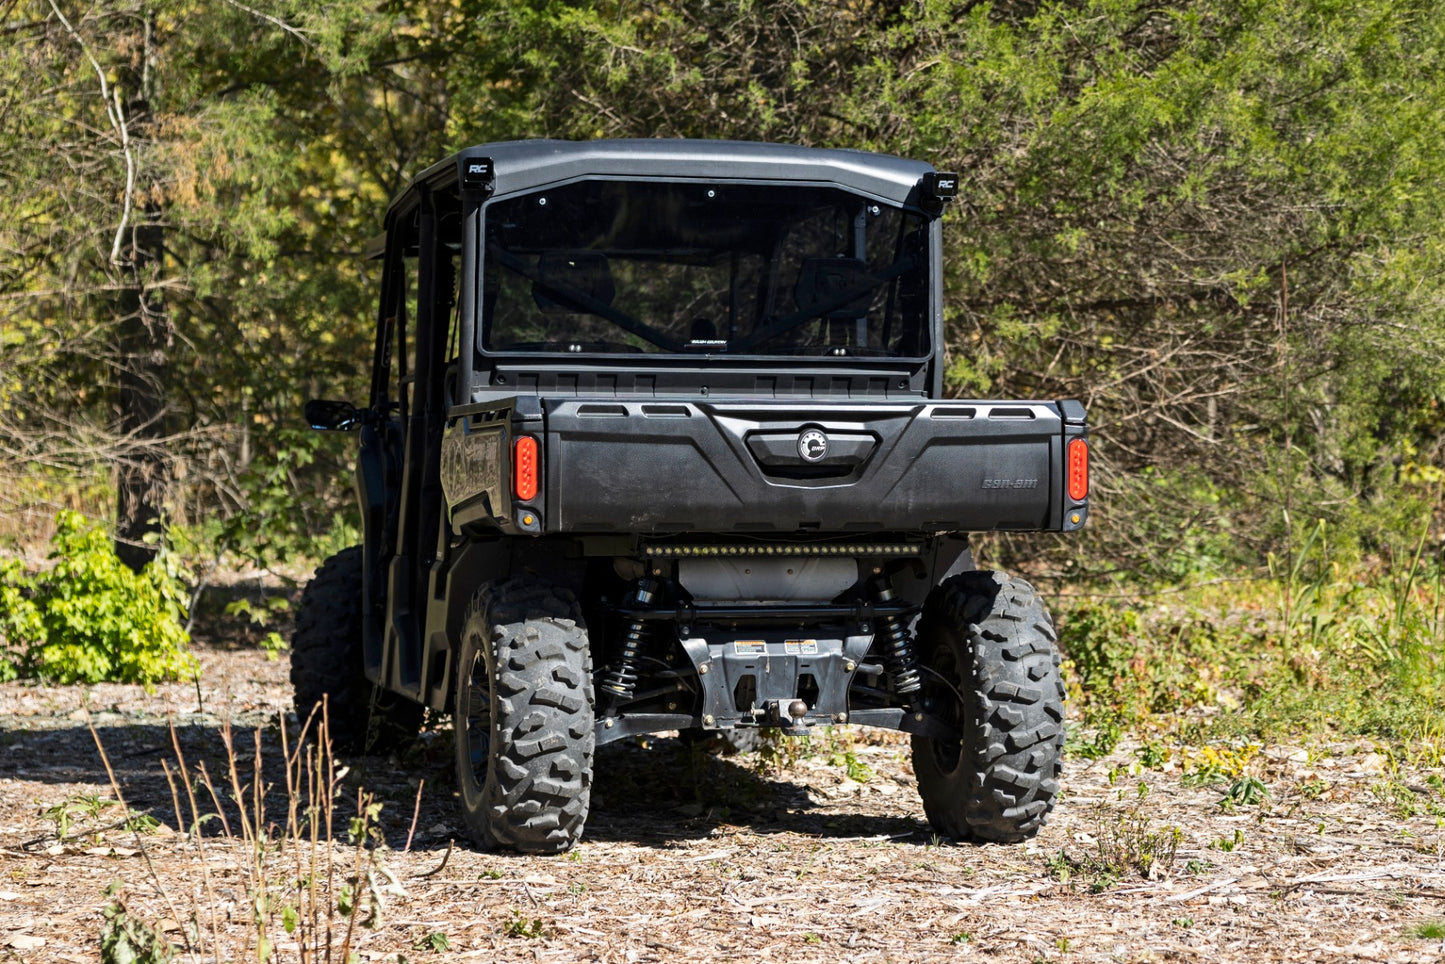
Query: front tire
column 992, row 668
column 327, row 664
column 524, row 717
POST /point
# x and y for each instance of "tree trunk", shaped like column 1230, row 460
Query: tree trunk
column 144, row 337
column 143, row 471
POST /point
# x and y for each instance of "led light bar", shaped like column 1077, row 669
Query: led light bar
column 873, row 549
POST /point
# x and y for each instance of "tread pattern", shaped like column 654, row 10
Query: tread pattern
column 992, row 637
column 538, row 783
column 327, row 663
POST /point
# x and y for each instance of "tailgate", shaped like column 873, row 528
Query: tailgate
column 746, row 466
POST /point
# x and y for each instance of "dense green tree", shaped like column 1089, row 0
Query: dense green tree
column 191, row 210
column 1217, row 223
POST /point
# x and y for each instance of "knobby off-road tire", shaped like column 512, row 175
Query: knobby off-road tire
column 524, row 716
column 990, row 639
column 327, row 662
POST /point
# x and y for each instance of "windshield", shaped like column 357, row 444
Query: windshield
column 633, row 266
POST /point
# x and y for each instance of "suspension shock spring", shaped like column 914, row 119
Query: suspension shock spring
column 898, row 645
column 621, row 680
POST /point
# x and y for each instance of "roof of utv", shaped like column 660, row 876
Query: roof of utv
column 525, row 165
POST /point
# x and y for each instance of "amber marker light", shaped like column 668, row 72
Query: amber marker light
column 1078, row 470
column 524, row 468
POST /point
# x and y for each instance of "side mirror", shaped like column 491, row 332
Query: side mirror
column 332, row 416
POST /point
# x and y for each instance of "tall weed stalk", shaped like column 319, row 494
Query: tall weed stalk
column 305, row 891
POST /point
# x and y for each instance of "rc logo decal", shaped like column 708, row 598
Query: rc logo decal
column 813, row 445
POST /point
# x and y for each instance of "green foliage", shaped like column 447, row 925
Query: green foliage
column 1321, row 647
column 435, row 941
column 1126, row 669
column 1433, row 930
column 1216, row 223
column 1246, row 791
column 838, row 744
column 263, row 615
column 88, row 618
column 529, row 928
column 1125, row 845
column 126, row 939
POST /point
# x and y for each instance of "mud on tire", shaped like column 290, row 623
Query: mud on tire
column 993, row 668
column 524, row 716
column 327, row 663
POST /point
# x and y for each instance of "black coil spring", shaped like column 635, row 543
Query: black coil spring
column 903, row 662
column 898, row 643
column 621, row 680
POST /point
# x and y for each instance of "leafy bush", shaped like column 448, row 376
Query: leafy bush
column 1318, row 646
column 89, row 618
column 288, row 505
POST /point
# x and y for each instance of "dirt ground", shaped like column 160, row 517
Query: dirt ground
column 817, row 853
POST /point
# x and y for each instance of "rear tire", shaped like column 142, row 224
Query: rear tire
column 524, row 717
column 327, row 663
column 990, row 639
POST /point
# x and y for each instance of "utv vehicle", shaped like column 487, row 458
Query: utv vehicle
column 656, row 441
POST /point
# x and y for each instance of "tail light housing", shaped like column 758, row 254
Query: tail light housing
column 524, row 468
column 1078, row 470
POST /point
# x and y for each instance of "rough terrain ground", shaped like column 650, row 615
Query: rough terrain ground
column 698, row 858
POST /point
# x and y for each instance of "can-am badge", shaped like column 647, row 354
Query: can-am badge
column 813, row 445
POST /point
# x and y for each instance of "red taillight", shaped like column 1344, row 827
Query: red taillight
column 1078, row 470
column 524, row 468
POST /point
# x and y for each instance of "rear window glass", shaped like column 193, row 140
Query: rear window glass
column 604, row 267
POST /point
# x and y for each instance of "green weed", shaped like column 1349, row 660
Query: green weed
column 1245, row 791
column 841, row 753
column 87, row 813
column 778, row 752
column 126, row 939
column 1126, row 845
column 530, row 928
column 435, row 941
column 1318, row 647
column 263, row 615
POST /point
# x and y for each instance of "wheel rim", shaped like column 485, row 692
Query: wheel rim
column 947, row 754
column 478, row 716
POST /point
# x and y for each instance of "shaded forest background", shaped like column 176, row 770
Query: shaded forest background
column 1218, row 223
